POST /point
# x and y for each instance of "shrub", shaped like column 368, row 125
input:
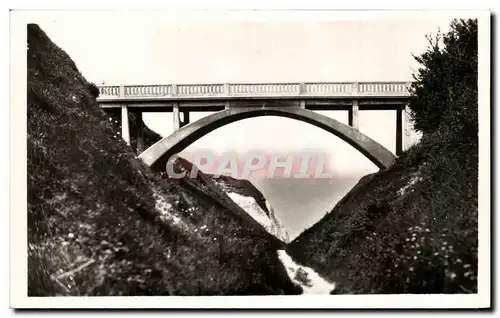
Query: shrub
column 445, row 87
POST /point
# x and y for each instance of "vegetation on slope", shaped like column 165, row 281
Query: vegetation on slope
column 413, row 228
column 100, row 223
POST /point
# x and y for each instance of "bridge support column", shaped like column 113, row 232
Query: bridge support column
column 177, row 119
column 185, row 118
column 227, row 105
column 140, row 132
column 303, row 104
column 125, row 125
column 354, row 115
column 399, row 131
column 408, row 127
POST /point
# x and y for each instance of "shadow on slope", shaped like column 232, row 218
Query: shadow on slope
column 409, row 229
column 100, row 223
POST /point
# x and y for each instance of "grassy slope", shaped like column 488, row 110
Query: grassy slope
column 411, row 228
column 100, row 223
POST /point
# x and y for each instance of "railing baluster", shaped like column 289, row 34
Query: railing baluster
column 262, row 89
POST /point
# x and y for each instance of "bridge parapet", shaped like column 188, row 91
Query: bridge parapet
column 383, row 87
column 148, row 90
column 330, row 88
column 264, row 89
column 109, row 90
column 228, row 90
column 200, row 89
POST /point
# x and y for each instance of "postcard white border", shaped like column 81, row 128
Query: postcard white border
column 18, row 209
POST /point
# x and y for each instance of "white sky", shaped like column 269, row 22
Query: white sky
column 147, row 47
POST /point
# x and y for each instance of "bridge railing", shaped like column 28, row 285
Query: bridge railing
column 199, row 89
column 383, row 87
column 147, row 90
column 324, row 89
column 329, row 88
column 265, row 89
column 109, row 90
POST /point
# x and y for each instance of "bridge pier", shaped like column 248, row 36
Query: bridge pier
column 408, row 127
column 185, row 118
column 178, row 123
column 404, row 129
column 177, row 118
column 354, row 115
column 399, row 131
column 140, row 132
column 125, row 125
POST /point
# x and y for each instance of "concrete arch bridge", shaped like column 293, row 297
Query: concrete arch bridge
column 233, row 102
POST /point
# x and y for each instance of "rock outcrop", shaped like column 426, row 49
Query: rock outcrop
column 250, row 199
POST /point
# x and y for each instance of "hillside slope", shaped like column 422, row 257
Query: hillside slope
column 100, row 223
column 413, row 228
column 409, row 229
column 241, row 191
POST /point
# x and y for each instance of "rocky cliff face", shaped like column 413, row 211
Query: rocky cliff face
column 242, row 194
column 251, row 200
column 101, row 223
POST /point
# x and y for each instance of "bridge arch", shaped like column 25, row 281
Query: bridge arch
column 158, row 154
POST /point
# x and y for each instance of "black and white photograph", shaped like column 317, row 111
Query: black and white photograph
column 286, row 159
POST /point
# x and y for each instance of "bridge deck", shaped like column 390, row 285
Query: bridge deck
column 177, row 98
column 267, row 91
